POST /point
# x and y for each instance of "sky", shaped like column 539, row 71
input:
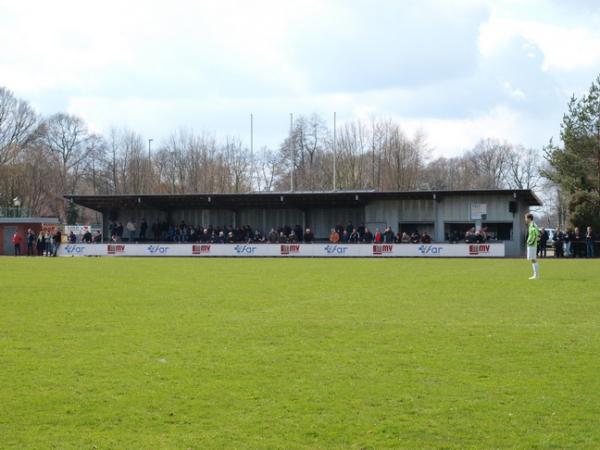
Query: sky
column 457, row 71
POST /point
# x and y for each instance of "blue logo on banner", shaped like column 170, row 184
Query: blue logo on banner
column 244, row 249
column 73, row 249
column 335, row 249
column 429, row 250
column 160, row 249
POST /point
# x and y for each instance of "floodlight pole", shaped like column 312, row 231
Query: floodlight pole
column 252, row 151
column 149, row 164
column 334, row 149
column 293, row 148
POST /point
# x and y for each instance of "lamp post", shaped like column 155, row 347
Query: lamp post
column 148, row 187
column 17, row 204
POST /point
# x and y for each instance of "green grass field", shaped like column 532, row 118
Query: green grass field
column 101, row 353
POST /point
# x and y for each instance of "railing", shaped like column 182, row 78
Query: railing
column 13, row 211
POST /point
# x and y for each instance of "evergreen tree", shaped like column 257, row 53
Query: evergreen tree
column 575, row 166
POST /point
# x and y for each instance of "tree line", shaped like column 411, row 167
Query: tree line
column 44, row 158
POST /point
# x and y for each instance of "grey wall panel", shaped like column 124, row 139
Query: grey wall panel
column 322, row 220
column 281, row 217
column 252, row 217
column 458, row 208
column 391, row 212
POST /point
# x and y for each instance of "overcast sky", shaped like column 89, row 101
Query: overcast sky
column 457, row 70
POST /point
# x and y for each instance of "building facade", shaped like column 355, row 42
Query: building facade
column 9, row 225
column 441, row 213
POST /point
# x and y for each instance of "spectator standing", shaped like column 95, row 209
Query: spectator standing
column 119, row 230
column 480, row 236
column 589, row 242
column 298, row 232
column 334, row 237
column 47, row 244
column 567, row 239
column 112, row 229
column 543, row 243
column 578, row 243
column 131, row 230
column 308, row 236
column 378, row 236
column 415, row 238
column 367, row 237
column 361, row 230
column 388, row 235
column 17, row 239
column 40, row 244
column 87, row 237
column 30, row 241
column 273, row 237
column 559, row 242
column 72, row 238
column 56, row 242
column 143, row 229
column 470, row 236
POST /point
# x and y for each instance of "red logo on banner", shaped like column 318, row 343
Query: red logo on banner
column 200, row 249
column 479, row 249
column 113, row 249
column 380, row 249
column 287, row 249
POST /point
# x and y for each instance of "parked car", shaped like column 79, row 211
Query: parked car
column 551, row 233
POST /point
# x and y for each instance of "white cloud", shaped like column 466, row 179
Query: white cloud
column 563, row 48
column 459, row 71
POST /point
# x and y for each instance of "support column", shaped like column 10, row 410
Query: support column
column 438, row 222
column 104, row 226
column 304, row 221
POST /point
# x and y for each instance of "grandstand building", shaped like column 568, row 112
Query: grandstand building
column 441, row 213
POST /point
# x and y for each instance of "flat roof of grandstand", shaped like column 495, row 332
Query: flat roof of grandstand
column 279, row 199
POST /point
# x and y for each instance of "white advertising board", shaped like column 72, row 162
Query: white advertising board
column 287, row 250
column 478, row 210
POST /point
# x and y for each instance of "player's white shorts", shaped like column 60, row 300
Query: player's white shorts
column 532, row 252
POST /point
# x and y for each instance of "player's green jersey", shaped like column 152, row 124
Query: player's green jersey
column 533, row 235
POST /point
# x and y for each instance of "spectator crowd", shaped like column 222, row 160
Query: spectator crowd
column 569, row 243
column 42, row 244
column 183, row 232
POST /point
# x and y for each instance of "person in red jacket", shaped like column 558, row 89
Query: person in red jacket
column 378, row 236
column 16, row 240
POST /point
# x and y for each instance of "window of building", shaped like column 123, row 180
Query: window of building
column 455, row 232
column 500, row 231
column 411, row 227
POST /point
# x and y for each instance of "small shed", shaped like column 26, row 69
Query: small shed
column 8, row 226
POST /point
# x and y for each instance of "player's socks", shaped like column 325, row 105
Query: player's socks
column 535, row 270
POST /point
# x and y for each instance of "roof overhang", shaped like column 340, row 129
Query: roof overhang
column 17, row 220
column 301, row 200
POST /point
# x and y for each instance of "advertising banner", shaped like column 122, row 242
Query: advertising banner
column 324, row 250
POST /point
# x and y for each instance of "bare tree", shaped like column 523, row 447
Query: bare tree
column 19, row 126
column 523, row 168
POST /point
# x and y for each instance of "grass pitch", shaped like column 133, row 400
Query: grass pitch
column 298, row 353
